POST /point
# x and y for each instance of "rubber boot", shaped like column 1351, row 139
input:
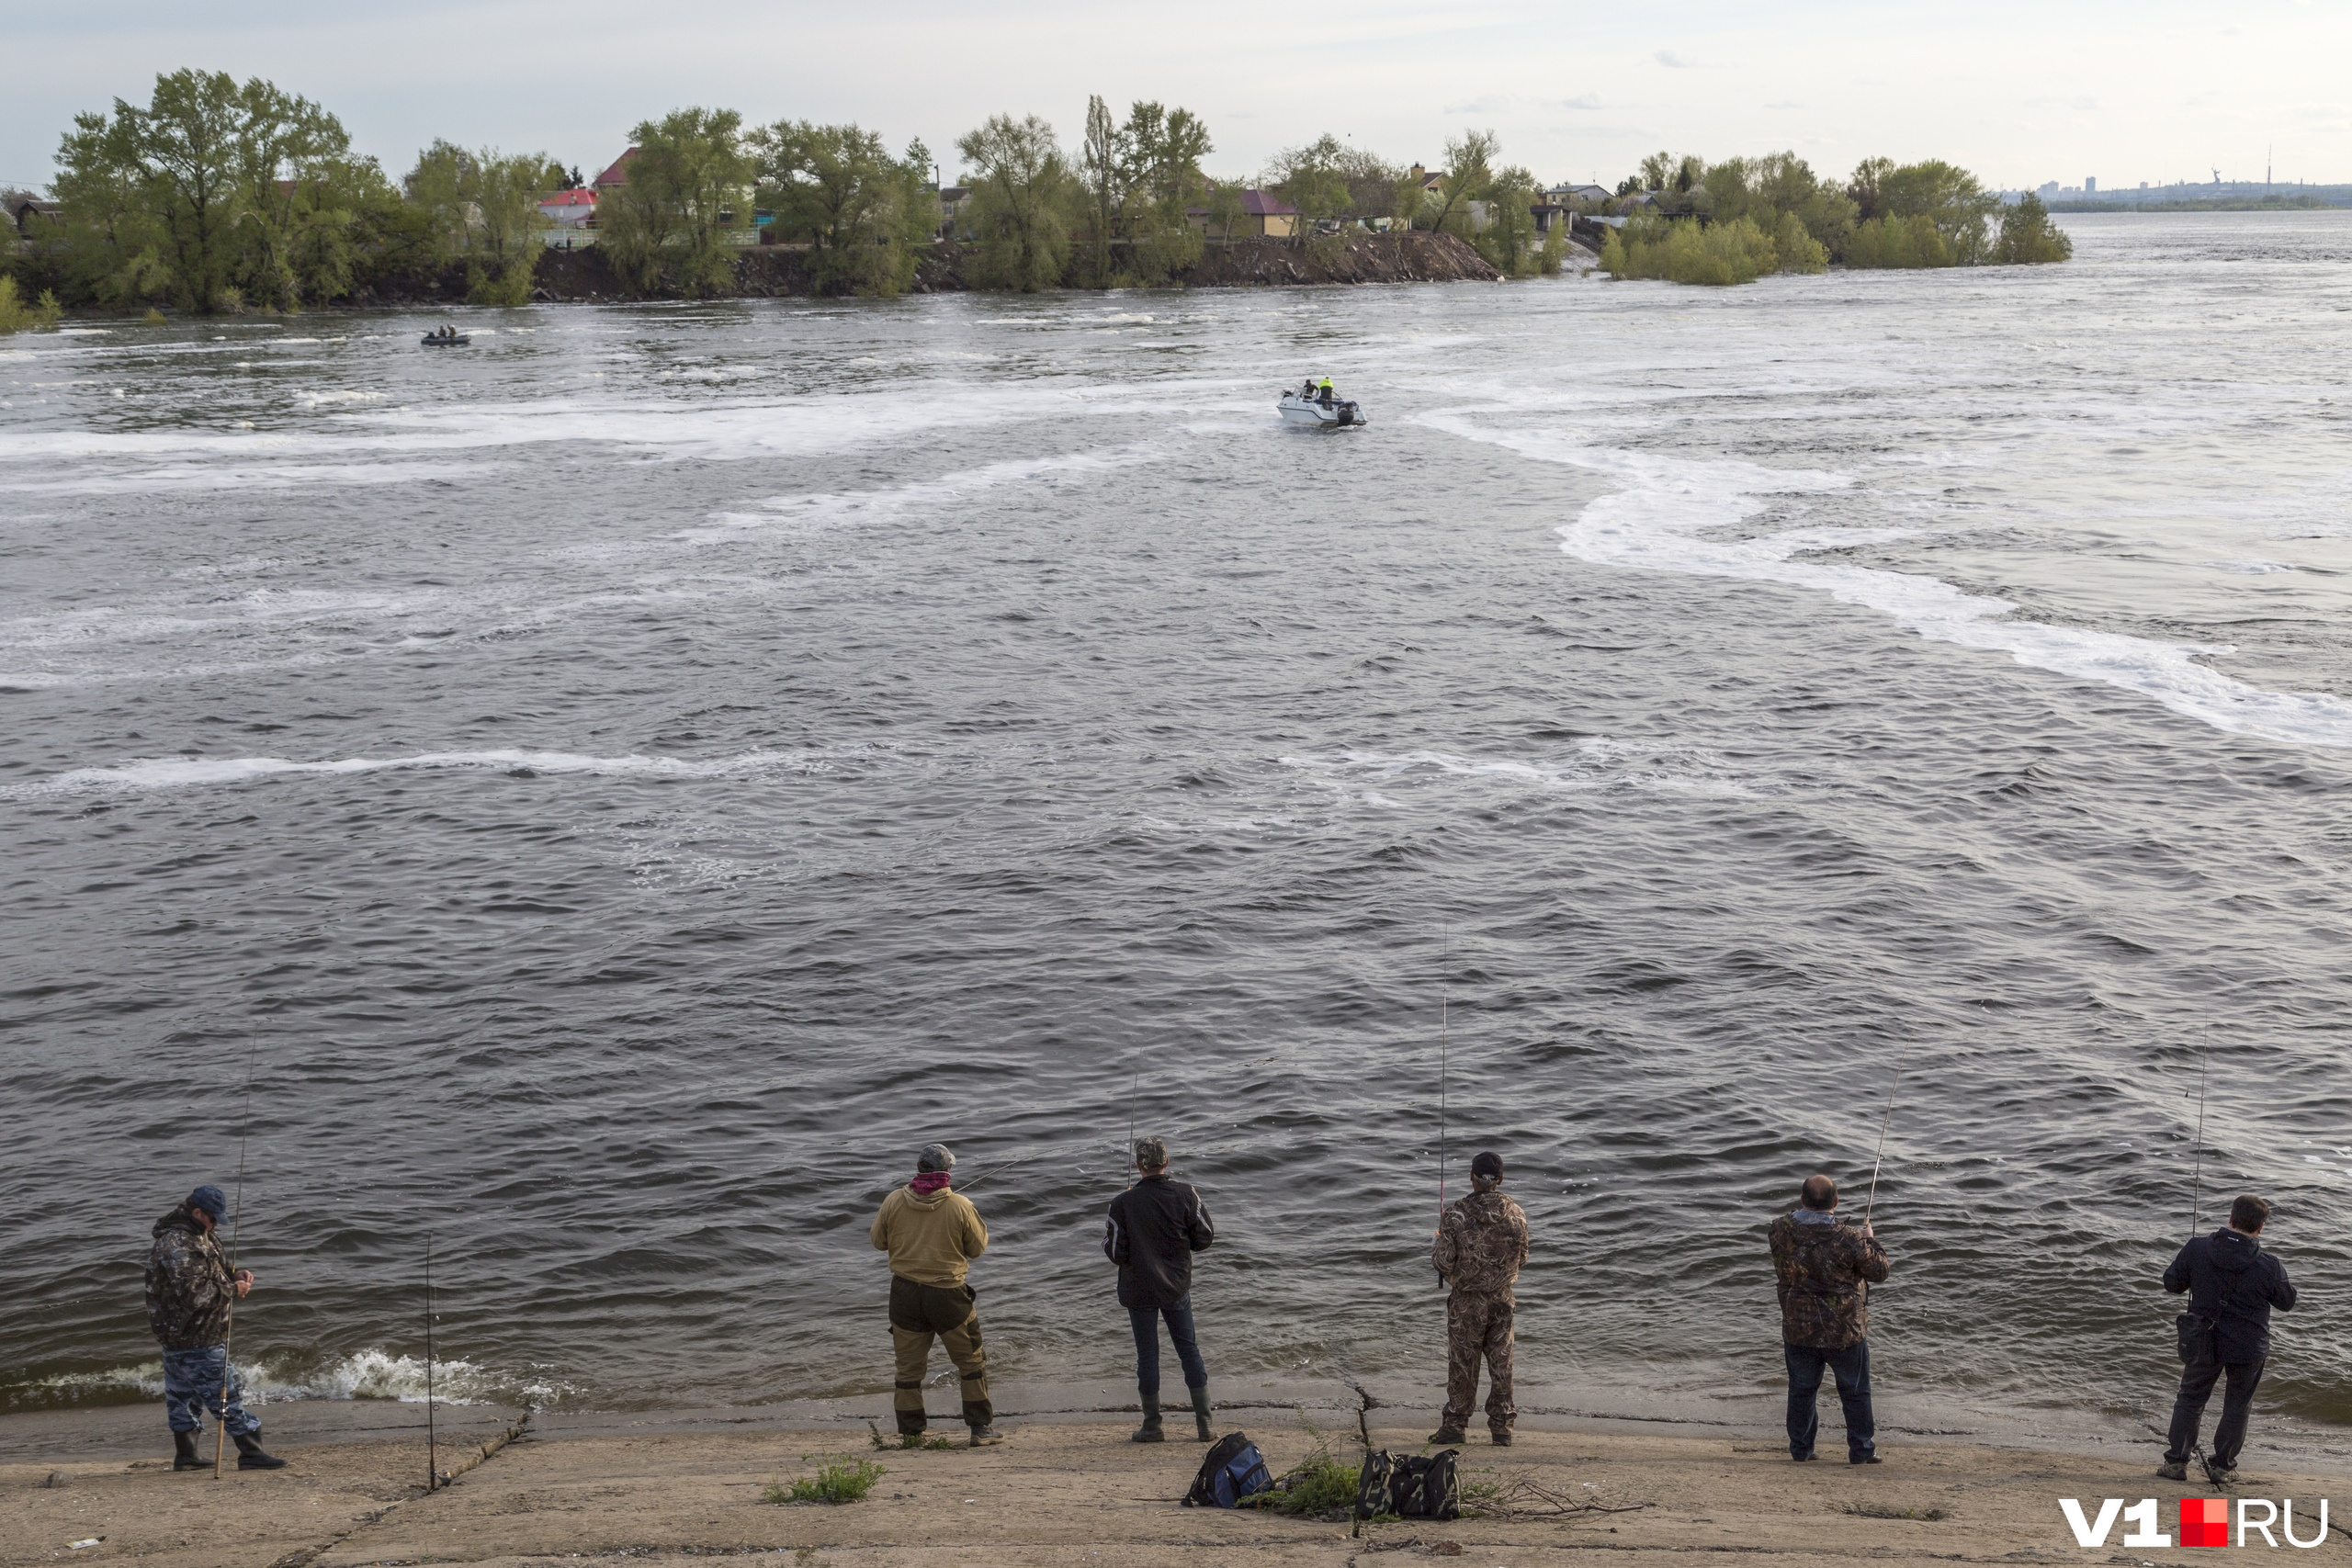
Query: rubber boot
column 986, row 1436
column 250, row 1455
column 1151, row 1432
column 184, row 1452
column 1446, row 1437
column 1200, row 1412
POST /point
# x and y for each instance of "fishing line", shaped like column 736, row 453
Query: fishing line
column 2197, row 1167
column 236, row 1220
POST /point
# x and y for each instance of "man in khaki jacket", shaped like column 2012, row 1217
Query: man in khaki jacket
column 931, row 1236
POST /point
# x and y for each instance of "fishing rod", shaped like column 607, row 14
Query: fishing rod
column 1884, row 1122
column 1001, row 1164
column 1444, row 1000
column 229, row 1327
column 432, row 1465
column 1134, row 1086
column 2197, row 1167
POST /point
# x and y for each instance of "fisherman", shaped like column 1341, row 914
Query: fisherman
column 190, row 1289
column 1154, row 1228
column 1826, row 1270
column 1323, row 393
column 1481, row 1246
column 931, row 1236
column 2232, row 1285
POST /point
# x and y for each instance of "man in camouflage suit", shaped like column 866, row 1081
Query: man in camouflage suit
column 1481, row 1243
column 1826, row 1273
column 189, row 1293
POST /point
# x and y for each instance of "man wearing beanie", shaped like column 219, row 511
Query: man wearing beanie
column 1481, row 1244
column 1154, row 1228
column 931, row 1236
column 189, row 1292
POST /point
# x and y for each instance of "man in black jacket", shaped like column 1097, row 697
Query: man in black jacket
column 1153, row 1229
column 2232, row 1285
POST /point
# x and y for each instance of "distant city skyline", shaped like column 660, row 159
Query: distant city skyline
column 2021, row 95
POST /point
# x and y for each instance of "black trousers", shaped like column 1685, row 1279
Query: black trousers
column 1852, row 1367
column 2188, row 1408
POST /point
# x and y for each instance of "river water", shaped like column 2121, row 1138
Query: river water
column 626, row 784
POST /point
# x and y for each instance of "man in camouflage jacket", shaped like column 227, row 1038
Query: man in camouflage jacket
column 1826, row 1270
column 1481, row 1243
column 191, row 1291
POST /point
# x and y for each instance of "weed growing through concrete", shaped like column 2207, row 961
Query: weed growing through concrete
column 840, row 1481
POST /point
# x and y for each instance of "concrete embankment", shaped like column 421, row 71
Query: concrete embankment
column 1057, row 1493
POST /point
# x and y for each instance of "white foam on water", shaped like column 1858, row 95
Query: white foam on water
column 917, row 493
column 1664, row 516
column 183, row 772
column 365, row 1374
column 1597, row 763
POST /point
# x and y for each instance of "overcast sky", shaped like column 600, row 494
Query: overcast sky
column 2021, row 93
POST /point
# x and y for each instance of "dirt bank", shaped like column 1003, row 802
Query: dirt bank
column 1057, row 1494
column 768, row 272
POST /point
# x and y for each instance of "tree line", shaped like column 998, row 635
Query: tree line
column 217, row 195
column 1730, row 222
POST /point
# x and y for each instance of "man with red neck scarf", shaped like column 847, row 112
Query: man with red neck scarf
column 932, row 1233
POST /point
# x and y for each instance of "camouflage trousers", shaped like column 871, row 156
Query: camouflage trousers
column 1477, row 1326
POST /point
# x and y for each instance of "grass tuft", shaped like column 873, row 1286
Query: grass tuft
column 1318, row 1485
column 841, row 1481
column 903, row 1440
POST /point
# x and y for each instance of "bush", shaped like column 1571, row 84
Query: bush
column 1898, row 242
column 1684, row 250
column 1317, row 1484
column 842, row 1481
column 2027, row 236
column 15, row 316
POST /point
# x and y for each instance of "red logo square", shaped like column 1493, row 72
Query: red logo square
column 2204, row 1521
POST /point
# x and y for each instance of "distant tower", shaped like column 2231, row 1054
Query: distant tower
column 2090, row 185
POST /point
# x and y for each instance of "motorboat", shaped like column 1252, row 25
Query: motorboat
column 1298, row 409
column 446, row 340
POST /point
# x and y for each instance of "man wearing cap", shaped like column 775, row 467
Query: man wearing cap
column 189, row 1290
column 1481, row 1244
column 931, row 1236
column 1153, row 1229
column 1826, row 1270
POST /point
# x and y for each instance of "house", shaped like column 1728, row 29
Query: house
column 1590, row 195
column 570, row 209
column 28, row 212
column 1432, row 183
column 619, row 174
column 953, row 202
column 1268, row 216
column 1547, row 213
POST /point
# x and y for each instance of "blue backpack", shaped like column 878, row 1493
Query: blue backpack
column 1233, row 1470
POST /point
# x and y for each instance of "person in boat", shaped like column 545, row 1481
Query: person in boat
column 1323, row 394
column 932, row 1234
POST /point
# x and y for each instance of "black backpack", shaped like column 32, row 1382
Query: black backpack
column 1233, row 1470
column 1414, row 1487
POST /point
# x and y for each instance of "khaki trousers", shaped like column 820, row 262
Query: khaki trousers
column 918, row 1313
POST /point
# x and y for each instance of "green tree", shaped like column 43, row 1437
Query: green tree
column 1225, row 206
column 1021, row 190
column 1469, row 169
column 1103, row 170
column 860, row 210
column 2029, row 236
column 1311, row 178
column 1506, row 240
column 483, row 209
column 1164, row 149
column 212, row 193
column 687, row 190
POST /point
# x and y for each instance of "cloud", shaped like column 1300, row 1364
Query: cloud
column 1674, row 62
column 1486, row 103
column 1581, row 101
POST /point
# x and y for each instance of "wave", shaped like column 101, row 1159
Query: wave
column 182, row 773
column 1659, row 518
column 365, row 1374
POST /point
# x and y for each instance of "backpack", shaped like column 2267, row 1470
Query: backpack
column 1232, row 1471
column 1414, row 1487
